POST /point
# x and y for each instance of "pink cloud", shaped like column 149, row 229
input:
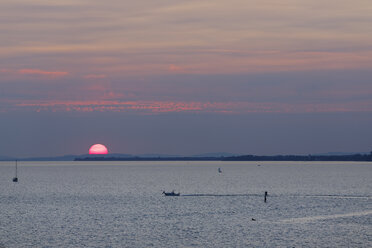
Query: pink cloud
column 175, row 68
column 43, row 73
column 94, row 76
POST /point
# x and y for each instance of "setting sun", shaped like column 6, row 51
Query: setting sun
column 98, row 149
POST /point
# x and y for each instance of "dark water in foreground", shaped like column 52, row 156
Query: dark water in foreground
column 119, row 204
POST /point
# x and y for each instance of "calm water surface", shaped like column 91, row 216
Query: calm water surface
column 119, row 204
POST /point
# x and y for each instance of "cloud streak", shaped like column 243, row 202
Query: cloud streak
column 157, row 107
column 42, row 72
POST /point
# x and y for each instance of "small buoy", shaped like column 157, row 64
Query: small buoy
column 253, row 219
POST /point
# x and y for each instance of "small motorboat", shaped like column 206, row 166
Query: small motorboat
column 171, row 193
column 219, row 170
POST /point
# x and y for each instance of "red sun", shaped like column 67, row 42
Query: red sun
column 98, row 149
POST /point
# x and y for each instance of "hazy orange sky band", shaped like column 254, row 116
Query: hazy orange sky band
column 192, row 107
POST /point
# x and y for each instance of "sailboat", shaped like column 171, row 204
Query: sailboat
column 15, row 179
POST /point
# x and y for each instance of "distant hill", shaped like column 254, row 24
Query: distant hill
column 215, row 154
column 157, row 156
column 64, row 157
column 6, row 158
column 339, row 153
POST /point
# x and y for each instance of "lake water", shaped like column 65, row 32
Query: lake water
column 119, row 204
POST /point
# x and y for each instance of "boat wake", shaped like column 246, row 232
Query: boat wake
column 337, row 196
column 325, row 217
column 295, row 195
column 223, row 195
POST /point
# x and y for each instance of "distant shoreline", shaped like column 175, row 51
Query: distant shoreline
column 345, row 158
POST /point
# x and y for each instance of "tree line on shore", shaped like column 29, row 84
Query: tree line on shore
column 352, row 157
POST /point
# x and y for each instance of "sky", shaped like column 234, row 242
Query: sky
column 185, row 77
